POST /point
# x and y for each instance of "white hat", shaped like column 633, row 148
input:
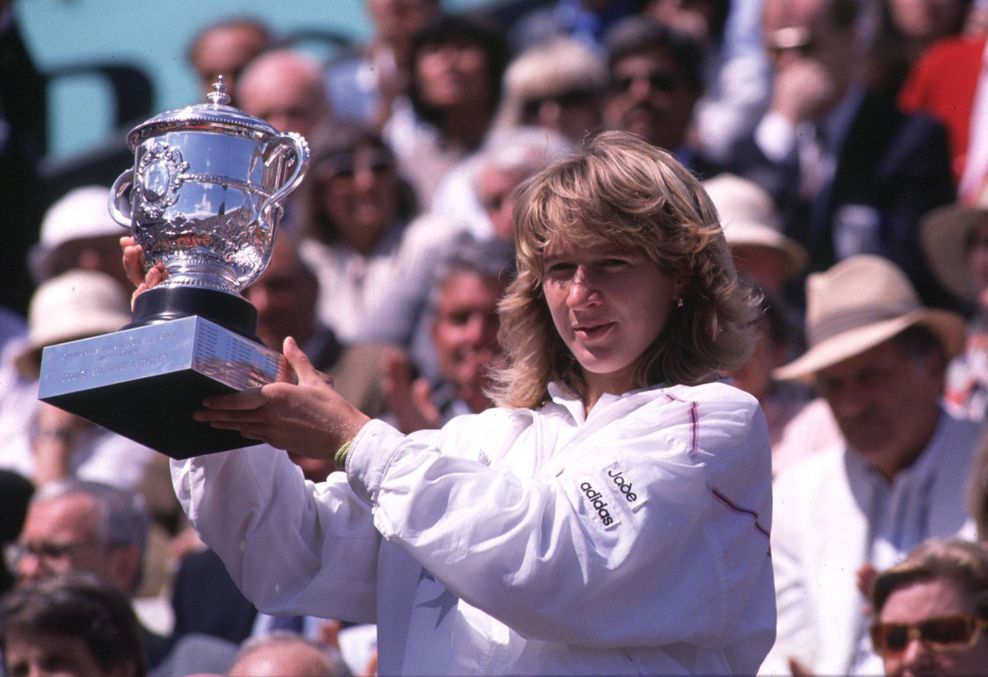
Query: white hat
column 944, row 233
column 80, row 213
column 859, row 303
column 748, row 217
column 74, row 305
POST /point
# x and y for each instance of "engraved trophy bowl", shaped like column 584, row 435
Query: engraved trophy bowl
column 204, row 198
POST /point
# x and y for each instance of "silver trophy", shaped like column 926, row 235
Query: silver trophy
column 204, row 198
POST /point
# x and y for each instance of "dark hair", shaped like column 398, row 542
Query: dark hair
column 843, row 14
column 345, row 140
column 265, row 37
column 778, row 319
column 77, row 605
column 637, row 34
column 463, row 29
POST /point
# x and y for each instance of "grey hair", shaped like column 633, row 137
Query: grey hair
column 494, row 259
column 123, row 518
column 522, row 150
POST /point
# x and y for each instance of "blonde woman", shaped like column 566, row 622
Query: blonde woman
column 611, row 515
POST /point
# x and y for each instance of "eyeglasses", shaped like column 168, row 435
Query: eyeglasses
column 943, row 633
column 567, row 99
column 657, row 80
column 47, row 552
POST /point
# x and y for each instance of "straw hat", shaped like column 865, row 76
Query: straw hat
column 859, row 303
column 749, row 218
column 81, row 213
column 944, row 233
column 71, row 306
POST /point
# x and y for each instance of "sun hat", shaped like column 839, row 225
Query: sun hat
column 748, row 217
column 857, row 304
column 74, row 305
column 944, row 233
column 80, row 213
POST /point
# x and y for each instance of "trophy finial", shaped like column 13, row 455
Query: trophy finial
column 218, row 96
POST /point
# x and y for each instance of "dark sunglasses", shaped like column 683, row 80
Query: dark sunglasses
column 943, row 633
column 568, row 99
column 660, row 82
column 345, row 165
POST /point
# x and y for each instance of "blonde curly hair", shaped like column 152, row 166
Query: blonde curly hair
column 623, row 191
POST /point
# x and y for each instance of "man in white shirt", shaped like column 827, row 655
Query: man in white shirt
column 878, row 357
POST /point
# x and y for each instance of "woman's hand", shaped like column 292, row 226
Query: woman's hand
column 133, row 263
column 307, row 419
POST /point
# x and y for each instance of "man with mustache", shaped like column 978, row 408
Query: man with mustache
column 898, row 476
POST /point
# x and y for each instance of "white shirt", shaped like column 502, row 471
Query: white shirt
column 352, row 286
column 833, row 515
column 632, row 540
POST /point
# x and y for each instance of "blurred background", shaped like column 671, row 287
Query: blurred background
column 111, row 63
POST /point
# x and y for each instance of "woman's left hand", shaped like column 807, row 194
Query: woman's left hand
column 308, row 418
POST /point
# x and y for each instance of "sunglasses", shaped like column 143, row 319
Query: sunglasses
column 346, row 165
column 568, row 99
column 943, row 633
column 660, row 82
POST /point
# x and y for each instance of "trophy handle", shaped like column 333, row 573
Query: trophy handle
column 119, row 203
column 299, row 147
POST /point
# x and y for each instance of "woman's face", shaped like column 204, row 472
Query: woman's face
column 921, row 601
column 359, row 194
column 608, row 305
column 453, row 74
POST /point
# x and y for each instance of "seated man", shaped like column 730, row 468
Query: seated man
column 74, row 525
column 897, row 476
column 932, row 611
column 461, row 312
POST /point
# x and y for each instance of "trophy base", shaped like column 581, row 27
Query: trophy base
column 145, row 382
column 164, row 304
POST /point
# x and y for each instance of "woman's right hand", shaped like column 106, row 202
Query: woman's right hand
column 133, row 263
column 308, row 418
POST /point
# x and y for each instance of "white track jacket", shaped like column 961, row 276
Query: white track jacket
column 632, row 541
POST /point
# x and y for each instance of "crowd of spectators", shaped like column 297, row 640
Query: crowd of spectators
column 845, row 146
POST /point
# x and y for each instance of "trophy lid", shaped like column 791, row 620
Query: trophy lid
column 217, row 115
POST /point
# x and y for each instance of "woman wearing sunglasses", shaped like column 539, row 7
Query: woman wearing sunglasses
column 932, row 611
column 610, row 516
column 363, row 233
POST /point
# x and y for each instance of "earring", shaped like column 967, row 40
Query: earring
column 679, row 302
